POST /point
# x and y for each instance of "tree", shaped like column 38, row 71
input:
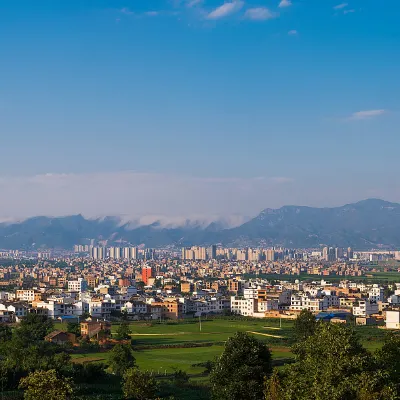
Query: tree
column 332, row 364
column 123, row 331
column 34, row 328
column 240, row 371
column 5, row 333
column 304, row 325
column 388, row 357
column 180, row 378
column 139, row 385
column 121, row 359
column 74, row 327
column 46, row 385
column 273, row 390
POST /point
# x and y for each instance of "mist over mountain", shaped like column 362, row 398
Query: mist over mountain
column 367, row 224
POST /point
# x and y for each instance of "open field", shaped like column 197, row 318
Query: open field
column 212, row 336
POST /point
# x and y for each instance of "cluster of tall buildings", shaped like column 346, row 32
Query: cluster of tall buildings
column 246, row 254
column 336, row 253
column 120, row 253
column 199, row 253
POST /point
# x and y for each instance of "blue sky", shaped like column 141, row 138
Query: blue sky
column 296, row 101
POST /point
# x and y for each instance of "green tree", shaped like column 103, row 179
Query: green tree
column 5, row 333
column 388, row 357
column 139, row 385
column 304, row 325
column 46, row 385
column 180, row 378
column 273, row 389
column 34, row 328
column 121, row 359
column 123, row 331
column 332, row 364
column 240, row 371
column 74, row 327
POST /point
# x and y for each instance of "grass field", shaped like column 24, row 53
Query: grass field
column 213, row 332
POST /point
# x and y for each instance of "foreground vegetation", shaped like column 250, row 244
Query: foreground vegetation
column 178, row 358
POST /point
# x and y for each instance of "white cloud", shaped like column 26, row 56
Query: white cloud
column 348, row 11
column 368, row 114
column 293, row 32
column 340, row 6
column 285, row 3
column 260, row 14
column 151, row 13
column 226, row 9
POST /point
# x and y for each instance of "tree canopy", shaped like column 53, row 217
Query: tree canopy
column 239, row 373
column 331, row 364
column 121, row 359
column 46, row 385
column 139, row 385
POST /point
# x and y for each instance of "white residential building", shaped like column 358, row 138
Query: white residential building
column 365, row 308
column 242, row 306
column 393, row 319
column 77, row 286
column 376, row 294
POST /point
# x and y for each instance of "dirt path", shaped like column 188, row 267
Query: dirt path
column 266, row 334
column 272, row 327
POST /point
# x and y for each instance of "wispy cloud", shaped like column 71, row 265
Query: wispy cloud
column 260, row 14
column 368, row 114
column 284, row 3
column 348, row 11
column 293, row 32
column 193, row 3
column 151, row 13
column 226, row 9
column 126, row 11
column 340, row 6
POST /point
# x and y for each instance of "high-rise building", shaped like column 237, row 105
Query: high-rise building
column 270, row 255
column 212, row 252
column 111, row 252
column 350, row 254
column 98, row 253
column 194, row 253
column 147, row 272
column 127, row 253
column 325, row 253
column 241, row 255
column 134, row 253
column 339, row 253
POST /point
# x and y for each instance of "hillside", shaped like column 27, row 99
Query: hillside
column 366, row 224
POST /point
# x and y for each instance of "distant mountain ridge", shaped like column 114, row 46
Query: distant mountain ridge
column 367, row 224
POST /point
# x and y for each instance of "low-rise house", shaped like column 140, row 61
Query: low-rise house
column 96, row 329
column 60, row 337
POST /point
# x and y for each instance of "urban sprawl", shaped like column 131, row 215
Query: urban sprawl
column 162, row 284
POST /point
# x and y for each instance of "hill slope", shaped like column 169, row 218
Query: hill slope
column 366, row 224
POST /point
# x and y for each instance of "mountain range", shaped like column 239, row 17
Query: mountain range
column 371, row 223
